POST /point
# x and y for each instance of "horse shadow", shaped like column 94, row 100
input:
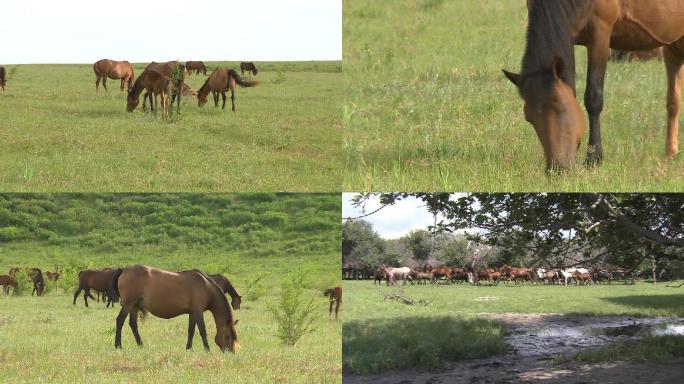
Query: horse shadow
column 673, row 303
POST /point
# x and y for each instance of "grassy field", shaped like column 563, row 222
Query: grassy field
column 427, row 107
column 59, row 135
column 448, row 329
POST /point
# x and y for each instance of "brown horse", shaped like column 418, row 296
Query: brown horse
column 169, row 294
column 196, row 66
column 3, row 79
column 228, row 288
column 157, row 84
column 380, row 275
column 52, row 276
column 440, row 272
column 249, row 67
column 38, row 281
column 99, row 280
column 458, row 275
column 515, row 274
column 547, row 80
column 114, row 70
column 220, row 81
column 491, row 275
column 421, row 277
column 7, row 281
column 335, row 295
column 582, row 278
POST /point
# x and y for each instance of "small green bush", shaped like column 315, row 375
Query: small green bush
column 293, row 313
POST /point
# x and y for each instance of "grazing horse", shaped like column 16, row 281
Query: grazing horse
column 3, row 79
column 7, row 281
column 114, row 70
column 249, row 67
column 547, row 80
column 97, row 280
column 228, row 288
column 220, row 81
column 167, row 295
column 196, row 66
column 157, row 84
column 335, row 295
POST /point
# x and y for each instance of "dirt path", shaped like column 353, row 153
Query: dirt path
column 536, row 337
column 509, row 370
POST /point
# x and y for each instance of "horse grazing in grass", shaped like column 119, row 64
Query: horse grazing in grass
column 228, row 288
column 157, row 84
column 114, row 70
column 547, row 80
column 196, row 66
column 97, row 280
column 8, row 281
column 3, row 79
column 335, row 295
column 220, row 81
column 170, row 294
column 249, row 67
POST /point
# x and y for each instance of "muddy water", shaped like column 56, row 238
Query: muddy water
column 535, row 335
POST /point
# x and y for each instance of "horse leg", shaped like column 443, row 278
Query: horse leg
column 120, row 320
column 97, row 83
column 199, row 318
column 331, row 307
column 191, row 331
column 76, row 294
column 223, row 94
column 86, row 293
column 104, row 82
column 232, row 98
column 337, row 307
column 133, row 323
column 599, row 53
column 673, row 64
column 123, row 81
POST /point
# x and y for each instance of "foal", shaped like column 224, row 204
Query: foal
column 335, row 295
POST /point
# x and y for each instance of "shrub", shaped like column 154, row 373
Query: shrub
column 293, row 313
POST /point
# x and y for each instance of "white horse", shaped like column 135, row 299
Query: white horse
column 399, row 274
column 567, row 273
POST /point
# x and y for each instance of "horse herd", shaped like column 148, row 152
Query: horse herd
column 434, row 275
column 167, row 81
column 142, row 289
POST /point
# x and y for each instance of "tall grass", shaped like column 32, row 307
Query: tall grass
column 427, row 107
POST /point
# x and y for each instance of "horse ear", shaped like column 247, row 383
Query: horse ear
column 558, row 66
column 513, row 77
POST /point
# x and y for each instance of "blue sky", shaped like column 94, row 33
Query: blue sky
column 84, row 31
column 393, row 221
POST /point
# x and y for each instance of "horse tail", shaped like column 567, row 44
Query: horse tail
column 243, row 83
column 115, row 281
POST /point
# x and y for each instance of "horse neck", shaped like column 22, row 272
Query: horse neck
column 550, row 35
column 138, row 86
column 204, row 90
column 231, row 290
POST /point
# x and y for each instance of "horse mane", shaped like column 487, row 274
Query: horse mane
column 204, row 89
column 550, row 36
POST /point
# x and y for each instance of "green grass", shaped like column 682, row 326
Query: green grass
column 452, row 314
column 650, row 349
column 59, row 135
column 48, row 339
column 427, row 107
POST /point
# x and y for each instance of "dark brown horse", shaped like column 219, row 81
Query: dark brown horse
column 7, row 281
column 228, row 288
column 3, row 79
column 196, row 66
column 249, row 67
column 458, row 275
column 380, row 275
column 547, row 80
column 156, row 84
column 114, row 70
column 335, row 295
column 220, row 81
column 169, row 294
column 36, row 276
column 99, row 280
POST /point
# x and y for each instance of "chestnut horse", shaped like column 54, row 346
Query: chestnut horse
column 515, row 274
column 99, row 280
column 335, row 295
column 220, row 81
column 249, row 67
column 547, row 80
column 114, row 70
column 196, row 66
column 491, row 275
column 7, row 281
column 3, row 80
column 167, row 295
column 157, row 84
column 227, row 287
column 440, row 272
